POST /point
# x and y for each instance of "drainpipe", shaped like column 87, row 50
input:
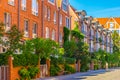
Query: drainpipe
column 58, row 23
column 18, row 15
column 42, row 19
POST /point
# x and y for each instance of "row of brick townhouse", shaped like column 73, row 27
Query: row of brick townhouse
column 46, row 19
column 95, row 35
column 36, row 18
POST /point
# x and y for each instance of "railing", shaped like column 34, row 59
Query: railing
column 4, row 73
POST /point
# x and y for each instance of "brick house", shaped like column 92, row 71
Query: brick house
column 36, row 18
column 95, row 35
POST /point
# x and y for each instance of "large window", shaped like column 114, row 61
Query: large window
column 47, row 32
column 60, row 19
column 11, row 2
column 67, row 23
column 26, row 28
column 34, row 30
column 23, row 4
column 7, row 19
column 65, row 5
column 48, row 14
column 55, row 17
column 60, row 37
column 53, row 35
column 35, row 7
column 52, row 1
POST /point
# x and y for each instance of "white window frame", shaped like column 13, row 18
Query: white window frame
column 61, row 19
column 48, row 14
column 35, row 7
column 66, row 4
column 47, row 32
column 67, row 21
column 55, row 15
column 34, row 30
column 7, row 21
column 11, row 2
column 53, row 35
column 26, row 28
column 60, row 37
column 23, row 4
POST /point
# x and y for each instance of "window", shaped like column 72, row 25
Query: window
column 51, row 1
column 7, row 19
column 23, row 4
column 55, row 17
column 47, row 32
column 111, row 25
column 11, row 2
column 67, row 23
column 48, row 14
column 65, row 5
column 60, row 19
column 26, row 28
column 60, row 37
column 53, row 35
column 45, row 11
column 34, row 30
column 35, row 7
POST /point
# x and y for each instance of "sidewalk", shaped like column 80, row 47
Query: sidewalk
column 78, row 76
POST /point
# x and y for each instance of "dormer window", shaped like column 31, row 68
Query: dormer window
column 23, row 5
column 65, row 5
column 35, row 7
column 51, row 1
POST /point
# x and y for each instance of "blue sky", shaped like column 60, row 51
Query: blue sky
column 98, row 8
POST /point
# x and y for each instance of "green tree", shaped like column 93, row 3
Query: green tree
column 116, row 42
column 14, row 37
column 70, row 48
column 42, row 47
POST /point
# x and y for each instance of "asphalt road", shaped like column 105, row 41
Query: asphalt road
column 111, row 74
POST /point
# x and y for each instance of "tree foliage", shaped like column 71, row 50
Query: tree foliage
column 116, row 42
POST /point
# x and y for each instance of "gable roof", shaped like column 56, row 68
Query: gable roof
column 102, row 21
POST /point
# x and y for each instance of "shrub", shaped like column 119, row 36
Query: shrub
column 33, row 71
column 28, row 73
column 25, row 60
column 70, row 60
column 24, row 73
column 3, row 59
column 69, row 69
column 54, row 70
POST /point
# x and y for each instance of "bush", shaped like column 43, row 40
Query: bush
column 54, row 70
column 69, row 69
column 24, row 73
column 33, row 71
column 70, row 60
column 57, row 61
column 25, row 60
column 28, row 74
column 3, row 59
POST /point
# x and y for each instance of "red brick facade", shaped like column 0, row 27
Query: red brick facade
column 18, row 17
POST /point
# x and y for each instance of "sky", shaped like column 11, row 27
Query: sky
column 98, row 8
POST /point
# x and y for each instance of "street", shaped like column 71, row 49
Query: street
column 111, row 74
